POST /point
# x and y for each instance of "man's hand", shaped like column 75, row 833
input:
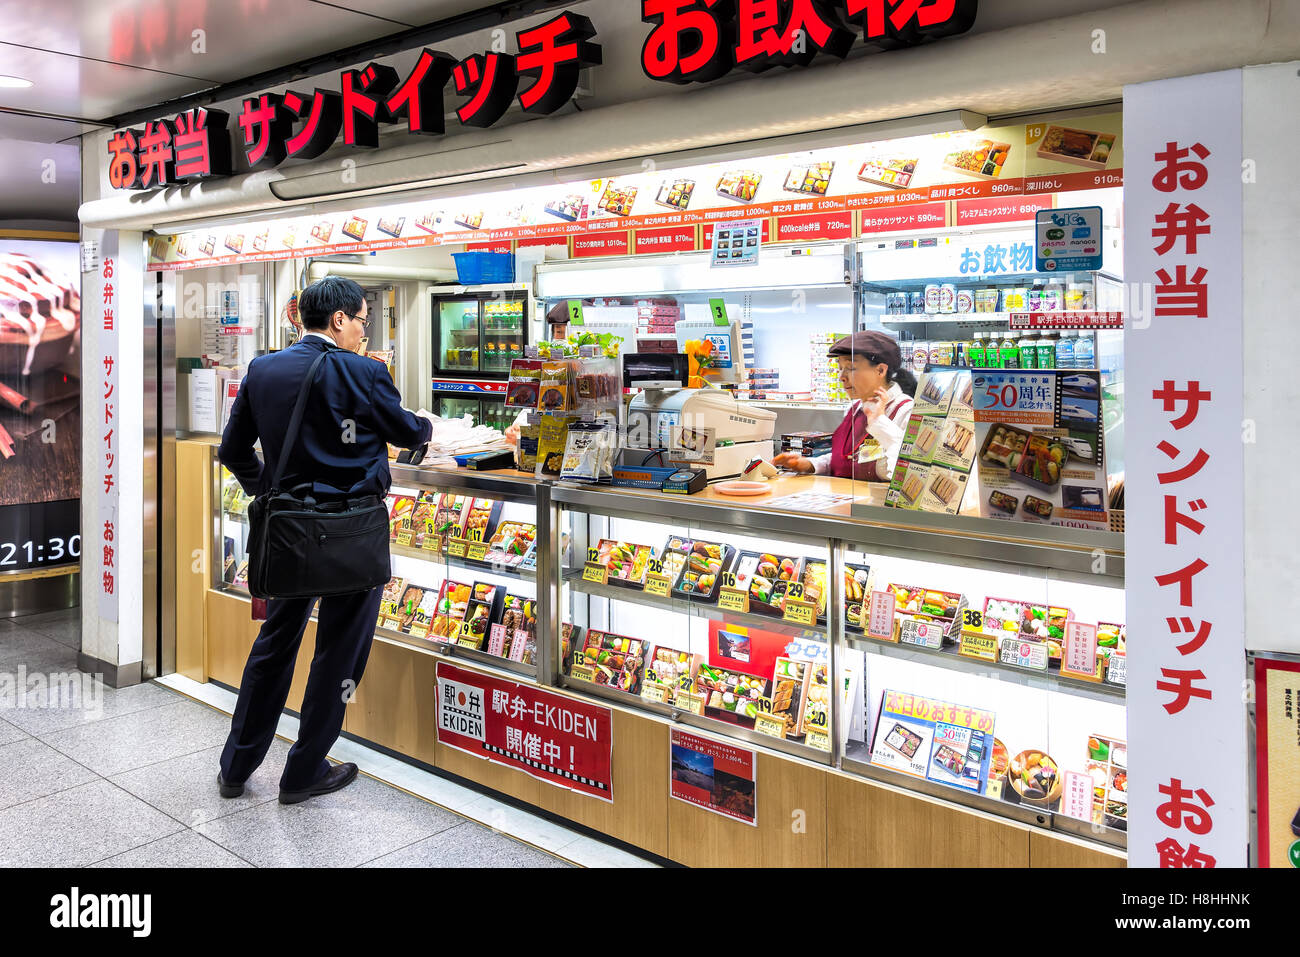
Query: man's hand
column 795, row 463
column 426, row 414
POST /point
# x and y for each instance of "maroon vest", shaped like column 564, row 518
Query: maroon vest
column 848, row 438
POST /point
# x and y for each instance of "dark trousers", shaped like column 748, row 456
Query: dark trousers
column 344, row 630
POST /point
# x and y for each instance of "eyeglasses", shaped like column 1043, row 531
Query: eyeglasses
column 365, row 323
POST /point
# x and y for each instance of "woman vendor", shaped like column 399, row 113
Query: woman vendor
column 865, row 445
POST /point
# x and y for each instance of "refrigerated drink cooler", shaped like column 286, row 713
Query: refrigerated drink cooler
column 475, row 337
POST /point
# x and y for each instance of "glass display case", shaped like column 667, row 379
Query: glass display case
column 478, row 335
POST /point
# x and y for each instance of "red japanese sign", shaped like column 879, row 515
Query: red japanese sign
column 814, row 227
column 670, row 240
column 707, row 233
column 601, row 244
column 1010, row 209
column 922, row 216
column 1066, row 320
column 559, row 740
column 496, row 246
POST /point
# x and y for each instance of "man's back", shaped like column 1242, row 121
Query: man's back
column 353, row 411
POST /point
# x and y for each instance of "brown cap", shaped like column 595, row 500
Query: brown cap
column 876, row 345
column 558, row 313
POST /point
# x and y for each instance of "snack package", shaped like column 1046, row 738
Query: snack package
column 589, row 452
column 556, row 387
column 551, row 443
column 522, row 389
column 526, row 451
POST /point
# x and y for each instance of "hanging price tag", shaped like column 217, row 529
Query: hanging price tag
column 575, row 312
column 718, row 309
column 456, row 547
column 800, row 612
column 729, row 599
column 598, row 574
column 657, row 586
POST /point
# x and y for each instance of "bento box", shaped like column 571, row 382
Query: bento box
column 765, row 576
column 702, row 566
column 731, row 692
column 984, row 159
column 1088, row 148
column 1033, row 459
column 740, row 185
column 789, row 691
column 814, row 178
column 618, row 200
column 675, row 194
column 481, row 610
column 511, row 543
column 626, row 562
column 857, row 595
column 895, row 172
column 617, row 660
column 673, row 668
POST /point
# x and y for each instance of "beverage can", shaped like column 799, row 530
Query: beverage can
column 932, row 299
column 1014, row 300
column 916, row 302
column 941, row 353
column 947, row 298
column 965, row 300
column 920, row 355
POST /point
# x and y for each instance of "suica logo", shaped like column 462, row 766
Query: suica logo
column 133, row 911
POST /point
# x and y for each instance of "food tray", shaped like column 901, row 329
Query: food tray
column 453, row 600
column 857, row 594
column 511, row 543
column 391, row 227
column 913, row 600
column 788, row 569
column 616, row 659
column 626, row 562
column 676, row 194
column 355, row 228
column 1017, row 443
column 482, row 517
column 813, row 178
column 789, row 689
column 673, row 668
column 1003, row 502
column 1090, row 149
column 568, row 208
column 685, row 583
column 483, row 608
column 731, row 692
column 618, row 200
column 894, row 172
column 984, row 160
column 740, row 185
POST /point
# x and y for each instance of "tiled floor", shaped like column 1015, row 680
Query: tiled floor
column 93, row 776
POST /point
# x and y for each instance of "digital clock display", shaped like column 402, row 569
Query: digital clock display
column 39, row 535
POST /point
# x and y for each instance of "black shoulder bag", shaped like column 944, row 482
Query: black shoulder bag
column 299, row 548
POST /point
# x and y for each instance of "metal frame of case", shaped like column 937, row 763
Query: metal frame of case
column 1054, row 553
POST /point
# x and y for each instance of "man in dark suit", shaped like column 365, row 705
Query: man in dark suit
column 353, row 411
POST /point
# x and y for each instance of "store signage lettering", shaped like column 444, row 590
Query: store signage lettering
column 197, row 144
column 697, row 41
column 1016, row 209
column 815, row 226
column 913, row 217
column 994, row 258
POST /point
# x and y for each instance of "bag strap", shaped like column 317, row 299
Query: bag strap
column 295, row 422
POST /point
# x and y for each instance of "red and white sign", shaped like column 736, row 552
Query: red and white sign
column 798, row 229
column 880, row 621
column 673, row 239
column 1184, row 541
column 1079, row 650
column 559, row 740
column 600, row 244
column 714, row 775
column 495, row 246
column 1067, row 320
column 107, row 533
column 1000, row 209
column 922, row 216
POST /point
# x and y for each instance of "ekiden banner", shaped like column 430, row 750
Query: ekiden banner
column 40, row 404
column 555, row 738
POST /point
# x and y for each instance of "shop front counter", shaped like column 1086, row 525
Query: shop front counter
column 779, row 688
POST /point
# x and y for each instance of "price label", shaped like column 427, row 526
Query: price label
column 800, row 612
column 973, row 619
column 1079, row 651
column 654, row 585
column 1117, row 670
column 583, row 673
column 497, row 640
column 575, row 312
column 718, row 309
column 977, row 645
column 690, row 702
column 456, row 547
column 432, row 542
column 592, row 555
column 476, row 551
column 880, row 620
column 405, row 536
column 728, row 579
column 1024, row 654
column 819, row 740
column 994, row 790
column 924, row 634
column 729, row 599
column 474, row 535
column 595, row 573
column 419, row 629
column 656, row 566
column 794, row 590
column 654, row 691
column 769, row 724
column 817, row 719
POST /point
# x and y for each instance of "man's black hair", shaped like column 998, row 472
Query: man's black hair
column 327, row 296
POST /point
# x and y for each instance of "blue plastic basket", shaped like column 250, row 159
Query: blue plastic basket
column 479, row 267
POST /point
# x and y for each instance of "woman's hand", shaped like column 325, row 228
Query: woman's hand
column 512, row 435
column 795, row 463
column 873, row 406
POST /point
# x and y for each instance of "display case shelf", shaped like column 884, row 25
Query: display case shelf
column 442, row 558
column 949, row 658
column 453, row 650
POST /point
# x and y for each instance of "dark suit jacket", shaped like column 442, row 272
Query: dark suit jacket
column 335, row 458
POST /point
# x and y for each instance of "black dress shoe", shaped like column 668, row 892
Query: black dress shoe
column 229, row 790
column 339, row 776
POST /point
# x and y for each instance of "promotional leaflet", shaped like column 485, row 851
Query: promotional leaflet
column 714, row 775
column 938, row 445
column 1041, row 447
column 932, row 739
column 1277, row 760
